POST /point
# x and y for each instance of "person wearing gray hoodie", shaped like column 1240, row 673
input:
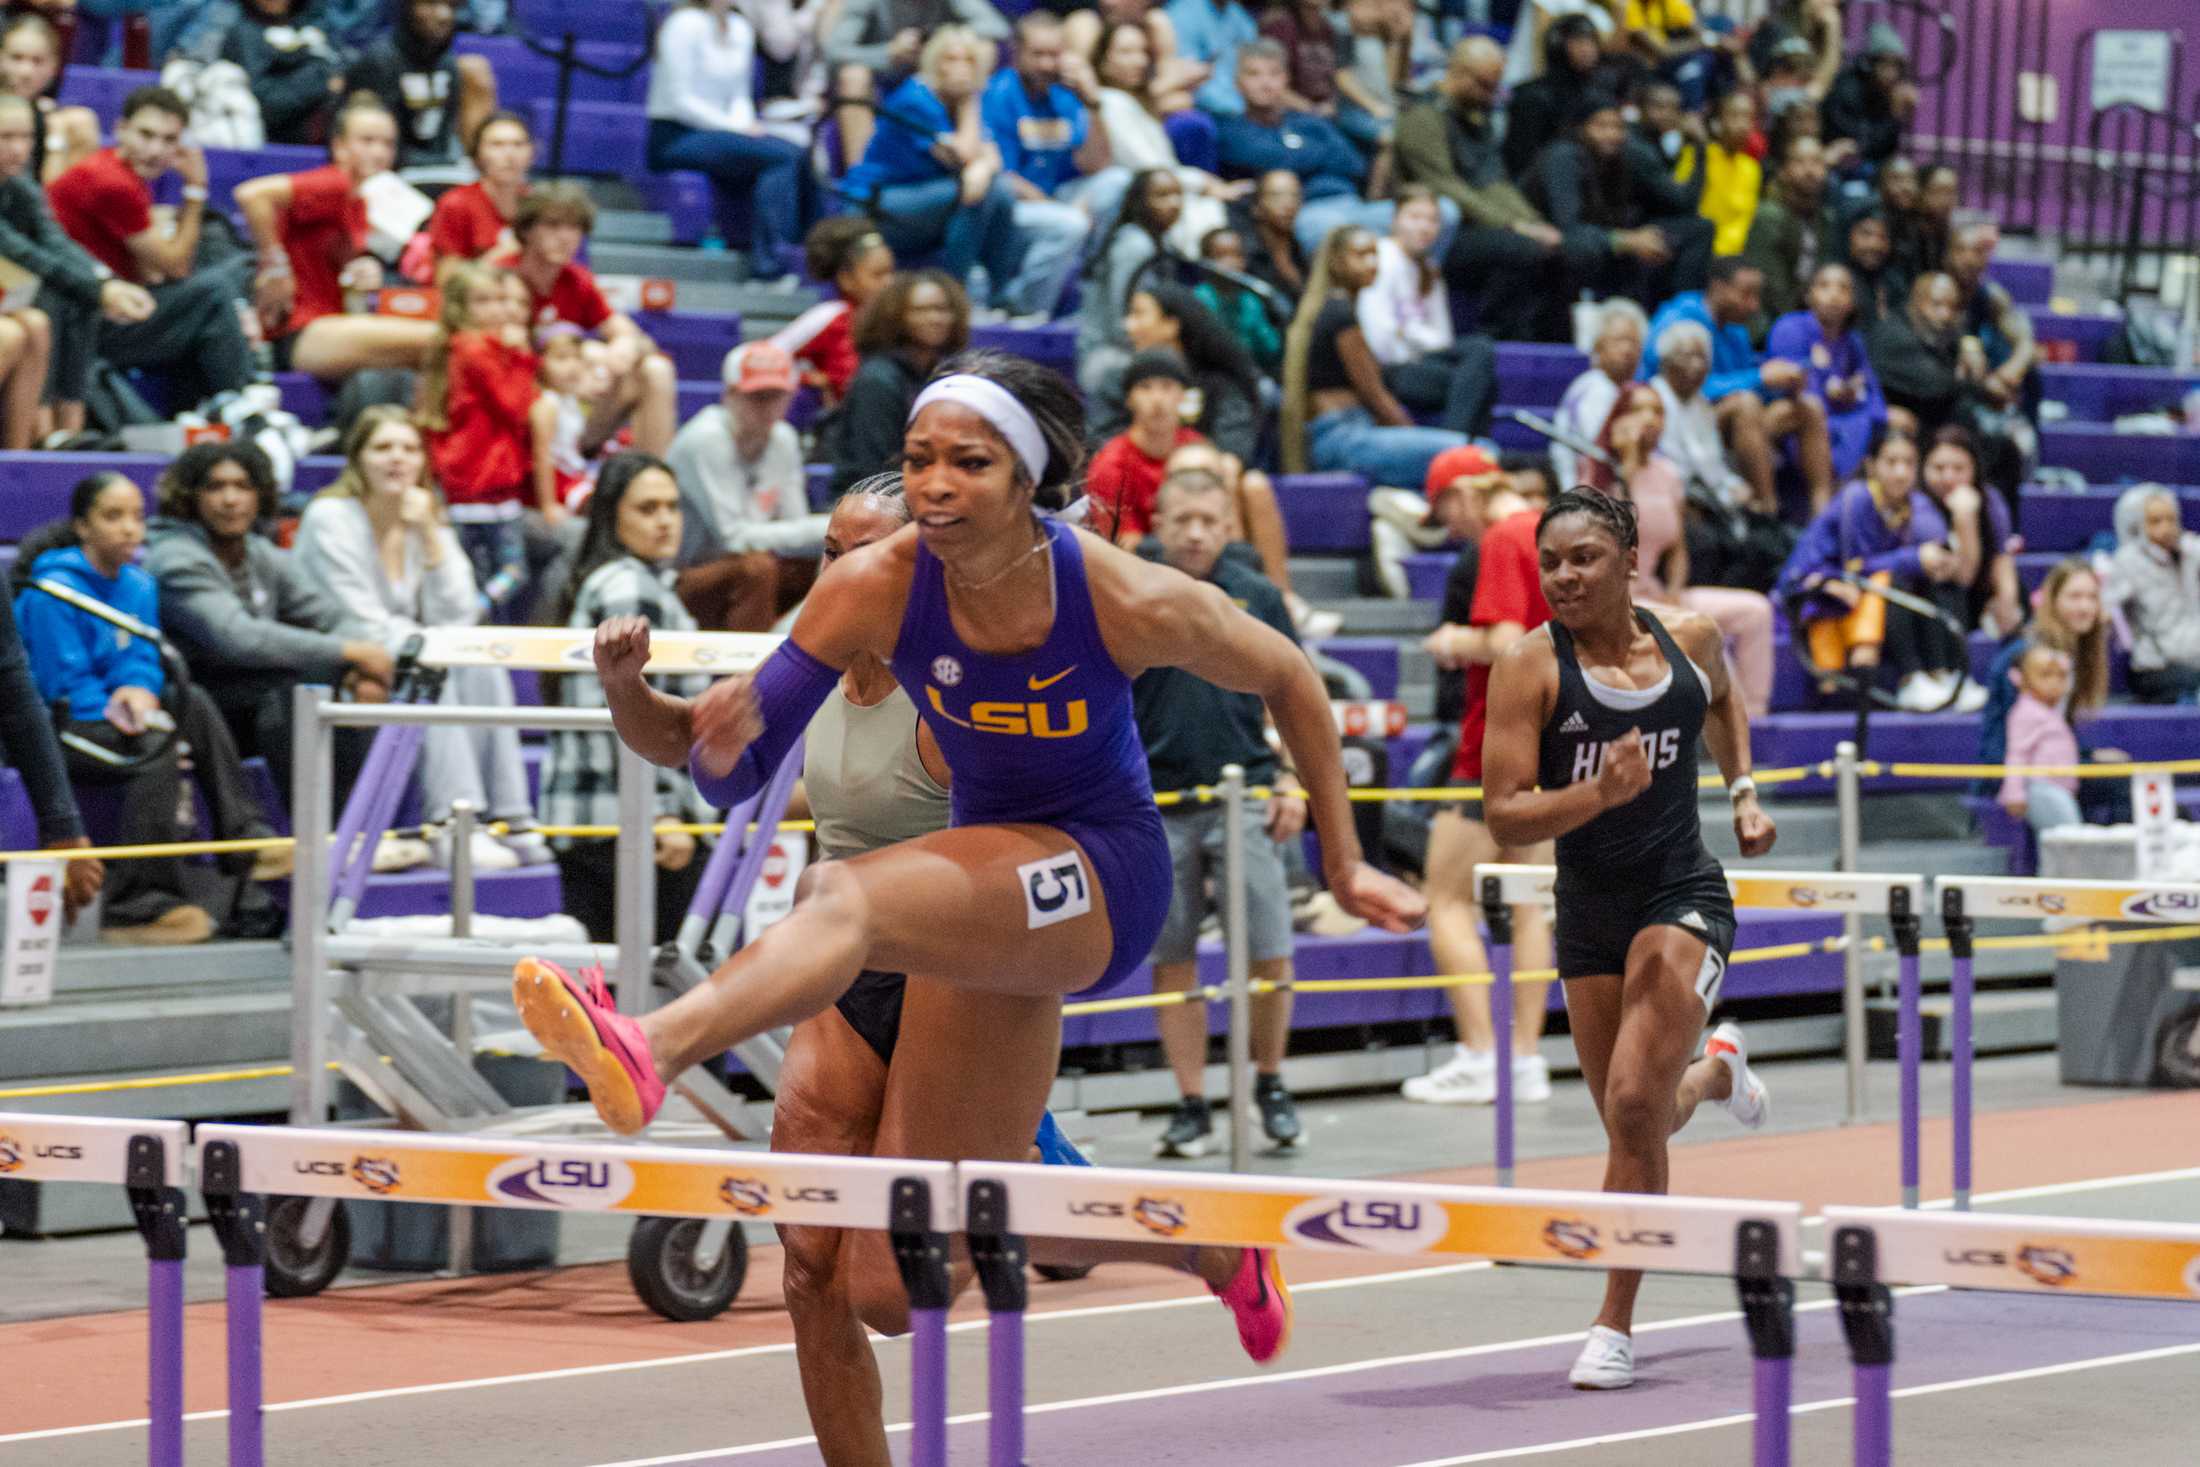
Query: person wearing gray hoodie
column 250, row 621
column 2154, row 580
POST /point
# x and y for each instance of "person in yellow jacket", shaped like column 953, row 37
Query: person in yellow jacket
column 1732, row 179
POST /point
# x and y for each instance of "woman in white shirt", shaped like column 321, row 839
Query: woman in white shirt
column 1123, row 59
column 1691, row 439
column 702, row 116
column 1406, row 318
column 379, row 541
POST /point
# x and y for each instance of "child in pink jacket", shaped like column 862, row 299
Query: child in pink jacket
column 2040, row 735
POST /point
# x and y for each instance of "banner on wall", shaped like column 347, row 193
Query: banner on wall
column 2132, row 67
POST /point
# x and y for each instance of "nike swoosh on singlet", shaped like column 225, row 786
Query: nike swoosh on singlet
column 1041, row 684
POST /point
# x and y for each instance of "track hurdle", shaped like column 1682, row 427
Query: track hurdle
column 1756, row 1243
column 146, row 1158
column 1964, row 899
column 1875, row 1247
column 1899, row 897
column 914, row 1202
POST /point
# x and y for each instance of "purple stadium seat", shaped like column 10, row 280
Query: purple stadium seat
column 1781, row 740
column 626, row 21
column 304, row 396
column 2066, row 522
column 524, row 75
column 38, row 484
column 2105, row 456
column 1324, row 512
column 684, row 199
column 228, row 167
column 697, row 341
column 2089, row 332
column 1535, row 374
column 102, row 89
column 1053, row 345
column 1374, row 658
column 607, row 139
column 2029, row 282
column 2100, row 394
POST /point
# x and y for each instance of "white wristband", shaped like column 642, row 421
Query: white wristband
column 1746, row 785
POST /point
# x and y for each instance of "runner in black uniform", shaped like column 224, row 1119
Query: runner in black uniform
column 1593, row 722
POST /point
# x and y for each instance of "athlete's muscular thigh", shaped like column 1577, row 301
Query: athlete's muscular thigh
column 1660, row 988
column 832, row 1087
column 964, row 902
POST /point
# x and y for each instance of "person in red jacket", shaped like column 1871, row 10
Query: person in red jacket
column 477, row 397
column 311, row 231
column 474, row 220
column 848, row 253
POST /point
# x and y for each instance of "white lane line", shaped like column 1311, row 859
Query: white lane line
column 2049, row 1189
column 1281, row 1377
column 1831, row 1403
column 707, row 1357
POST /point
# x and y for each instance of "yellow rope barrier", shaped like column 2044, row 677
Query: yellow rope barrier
column 2042, row 771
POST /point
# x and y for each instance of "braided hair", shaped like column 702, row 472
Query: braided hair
column 1617, row 516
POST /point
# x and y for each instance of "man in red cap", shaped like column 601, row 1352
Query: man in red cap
column 749, row 544
column 1495, row 598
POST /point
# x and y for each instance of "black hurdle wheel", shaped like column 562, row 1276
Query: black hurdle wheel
column 295, row 1268
column 680, row 1273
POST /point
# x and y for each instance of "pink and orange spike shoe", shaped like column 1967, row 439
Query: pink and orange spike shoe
column 578, row 1023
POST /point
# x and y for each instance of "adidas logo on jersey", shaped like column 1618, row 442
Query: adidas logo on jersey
column 1574, row 723
column 1695, row 920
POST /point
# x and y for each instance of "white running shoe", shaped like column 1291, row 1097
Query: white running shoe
column 1468, row 1078
column 1921, row 692
column 1749, row 1102
column 1606, row 1362
column 1531, row 1079
column 1971, row 698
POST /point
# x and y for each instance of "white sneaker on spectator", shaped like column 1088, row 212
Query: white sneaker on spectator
column 1971, row 698
column 489, row 853
column 400, row 853
column 1919, row 692
column 1390, row 547
column 1313, row 625
column 1531, row 1079
column 1469, row 1077
column 528, row 844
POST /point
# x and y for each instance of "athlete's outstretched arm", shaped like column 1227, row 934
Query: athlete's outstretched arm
column 655, row 725
column 1153, row 616
column 1726, row 729
column 1523, row 686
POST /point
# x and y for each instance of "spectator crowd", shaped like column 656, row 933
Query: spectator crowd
column 1287, row 240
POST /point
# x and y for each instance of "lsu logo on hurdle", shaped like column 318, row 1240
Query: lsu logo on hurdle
column 562, row 1181
column 1570, row 1237
column 11, row 1155
column 1162, row 1216
column 378, row 1174
column 2163, row 906
column 1376, row 1225
column 746, row 1195
column 2053, row 1267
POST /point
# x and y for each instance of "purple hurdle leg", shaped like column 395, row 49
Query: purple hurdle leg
column 164, row 1362
column 920, row 1255
column 1867, row 1318
column 158, row 1210
column 1772, row 1395
column 927, row 1388
column 1004, row 1390
column 1957, row 924
column 1498, row 916
column 247, row 1286
column 1961, row 993
column 1909, row 1040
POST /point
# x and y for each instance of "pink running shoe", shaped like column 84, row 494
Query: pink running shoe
column 1261, row 1300
column 578, row 1024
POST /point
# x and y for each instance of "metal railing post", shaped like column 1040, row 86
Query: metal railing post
column 310, row 740
column 635, row 893
column 1239, row 958
column 1854, row 1051
column 462, row 1002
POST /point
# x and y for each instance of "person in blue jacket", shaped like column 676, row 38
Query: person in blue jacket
column 1866, row 532
column 931, row 178
column 105, row 687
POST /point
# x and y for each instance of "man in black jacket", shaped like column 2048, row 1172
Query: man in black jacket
column 1629, row 229
column 436, row 98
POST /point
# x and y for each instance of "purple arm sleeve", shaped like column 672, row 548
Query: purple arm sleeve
column 790, row 688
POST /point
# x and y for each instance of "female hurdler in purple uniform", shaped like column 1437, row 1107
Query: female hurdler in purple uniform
column 1018, row 638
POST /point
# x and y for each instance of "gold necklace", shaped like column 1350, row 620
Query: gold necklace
column 1002, row 572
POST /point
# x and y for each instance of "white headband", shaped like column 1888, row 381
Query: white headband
column 999, row 407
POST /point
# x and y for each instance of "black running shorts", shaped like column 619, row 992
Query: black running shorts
column 1597, row 926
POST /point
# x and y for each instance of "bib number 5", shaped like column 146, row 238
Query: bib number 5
column 1055, row 889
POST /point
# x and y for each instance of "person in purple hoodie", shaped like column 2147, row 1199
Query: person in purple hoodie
column 1866, row 531
column 1823, row 340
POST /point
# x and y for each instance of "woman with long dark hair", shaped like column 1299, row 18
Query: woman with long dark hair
column 1338, row 413
column 1125, row 257
column 622, row 568
column 918, row 321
